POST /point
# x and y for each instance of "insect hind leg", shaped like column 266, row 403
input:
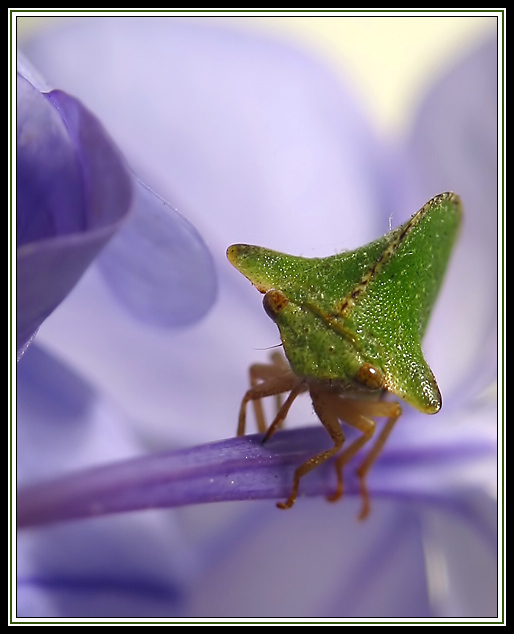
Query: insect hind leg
column 361, row 415
column 330, row 422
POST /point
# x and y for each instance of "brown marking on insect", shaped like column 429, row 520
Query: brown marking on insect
column 351, row 299
column 332, row 321
column 370, row 377
column 274, row 302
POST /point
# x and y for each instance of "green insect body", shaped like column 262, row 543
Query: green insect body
column 351, row 324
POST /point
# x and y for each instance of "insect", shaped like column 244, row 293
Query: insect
column 351, row 327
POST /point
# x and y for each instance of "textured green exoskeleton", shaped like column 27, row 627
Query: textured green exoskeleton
column 351, row 327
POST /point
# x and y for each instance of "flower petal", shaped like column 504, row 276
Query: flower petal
column 158, row 265
column 401, row 563
column 63, row 423
column 257, row 141
column 48, row 176
column 82, row 213
column 101, row 568
column 97, row 567
column 454, row 147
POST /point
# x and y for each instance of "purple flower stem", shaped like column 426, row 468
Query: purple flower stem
column 233, row 469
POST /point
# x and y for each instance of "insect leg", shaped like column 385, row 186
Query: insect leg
column 270, row 385
column 350, row 412
column 393, row 412
column 280, row 362
column 331, row 424
column 283, row 410
column 259, row 373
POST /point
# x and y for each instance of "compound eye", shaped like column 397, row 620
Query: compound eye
column 369, row 376
column 273, row 302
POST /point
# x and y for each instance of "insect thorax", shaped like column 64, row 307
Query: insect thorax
column 323, row 352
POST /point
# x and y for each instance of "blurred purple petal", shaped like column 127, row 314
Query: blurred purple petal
column 328, row 565
column 158, row 265
column 63, row 423
column 454, row 146
column 253, row 137
column 48, row 171
column 73, row 194
column 101, row 568
column 71, row 201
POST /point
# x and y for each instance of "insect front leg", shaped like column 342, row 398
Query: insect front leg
column 266, row 380
column 284, row 409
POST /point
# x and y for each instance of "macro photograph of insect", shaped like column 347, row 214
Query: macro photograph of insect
column 351, row 326
column 256, row 296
